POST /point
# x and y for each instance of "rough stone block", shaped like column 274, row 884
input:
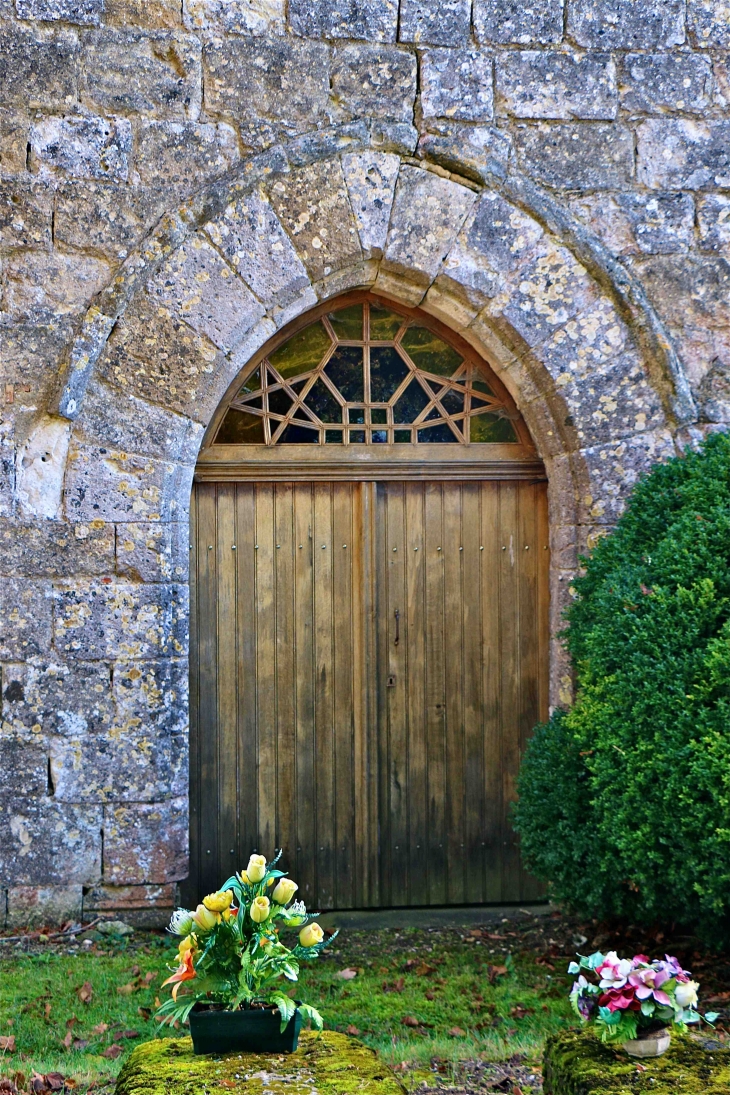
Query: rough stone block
column 83, row 12
column 548, row 84
column 428, row 213
column 155, row 355
column 24, row 760
column 133, row 72
column 40, row 285
column 271, row 87
column 36, row 71
column 519, row 22
column 657, row 83
column 615, row 468
column 47, row 843
column 115, row 419
column 656, row 223
column 577, row 157
column 146, row 843
column 153, row 552
column 115, row 618
column 82, row 146
column 176, row 158
column 626, row 24
column 155, row 14
column 13, row 142
column 714, row 393
column 689, row 288
column 30, row 355
column 435, row 22
column 253, row 17
column 41, row 467
column 112, row 485
column 618, row 402
column 679, row 153
column 49, row 549
column 59, row 698
column 713, row 217
column 121, row 899
column 709, row 23
column 40, row 906
column 202, row 289
column 551, row 288
column 143, row 758
column 254, row 242
column 25, row 214
column 372, row 20
column 313, row 205
column 464, row 149
column 374, row 81
column 108, row 219
column 25, row 618
column 457, row 83
column 370, row 178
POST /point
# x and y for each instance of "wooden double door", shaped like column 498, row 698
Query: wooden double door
column 367, row 662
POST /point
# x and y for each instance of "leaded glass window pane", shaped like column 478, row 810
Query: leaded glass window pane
column 366, row 374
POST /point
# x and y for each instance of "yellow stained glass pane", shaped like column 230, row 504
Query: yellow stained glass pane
column 347, row 323
column 239, row 428
column 430, row 353
column 302, row 352
column 492, row 429
column 384, row 324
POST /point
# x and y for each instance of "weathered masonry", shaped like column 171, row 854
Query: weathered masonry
column 543, row 189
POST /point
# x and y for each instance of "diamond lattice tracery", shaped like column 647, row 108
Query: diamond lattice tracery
column 365, row 374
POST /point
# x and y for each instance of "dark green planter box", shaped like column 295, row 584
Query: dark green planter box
column 577, row 1063
column 254, row 1031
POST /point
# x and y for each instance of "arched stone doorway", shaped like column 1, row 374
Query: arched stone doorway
column 369, row 610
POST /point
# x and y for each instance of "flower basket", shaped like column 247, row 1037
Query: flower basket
column 637, row 1001
column 248, row 1030
column 233, row 967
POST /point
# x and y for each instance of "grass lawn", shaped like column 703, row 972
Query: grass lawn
column 448, row 1006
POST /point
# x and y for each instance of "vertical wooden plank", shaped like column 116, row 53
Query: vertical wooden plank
column 247, row 666
column 266, row 668
column 529, row 633
column 344, row 726
column 227, row 671
column 383, row 637
column 208, row 710
column 304, row 717
column 435, row 693
column 285, row 673
column 397, row 692
column 191, row 888
column 324, row 694
column 510, row 627
column 473, row 853
column 543, row 598
column 414, row 635
column 491, row 541
column 454, row 667
column 367, row 789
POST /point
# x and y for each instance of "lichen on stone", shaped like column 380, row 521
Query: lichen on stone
column 577, row 1063
column 328, row 1064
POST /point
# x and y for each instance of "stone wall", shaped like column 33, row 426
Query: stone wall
column 177, row 181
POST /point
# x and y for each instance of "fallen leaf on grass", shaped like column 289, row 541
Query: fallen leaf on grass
column 7, row 1087
column 47, row 1011
column 346, row 975
column 495, row 972
column 519, row 1011
column 127, row 990
column 85, row 993
column 100, row 1028
column 126, row 1034
column 145, row 1013
column 80, row 1044
column 430, row 995
column 149, row 977
column 112, row 1052
column 397, row 986
column 135, row 971
column 423, row 969
column 70, row 1023
column 7, row 1043
column 68, row 1040
column 353, row 1031
column 228, row 1083
column 410, row 1021
column 457, row 1032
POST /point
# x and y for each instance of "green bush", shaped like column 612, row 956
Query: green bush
column 624, row 801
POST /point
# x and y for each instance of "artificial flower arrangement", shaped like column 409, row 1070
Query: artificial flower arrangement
column 231, row 957
column 634, row 996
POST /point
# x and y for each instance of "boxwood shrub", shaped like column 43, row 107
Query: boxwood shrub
column 624, row 800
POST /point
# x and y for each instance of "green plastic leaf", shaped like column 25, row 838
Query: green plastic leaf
column 311, row 1013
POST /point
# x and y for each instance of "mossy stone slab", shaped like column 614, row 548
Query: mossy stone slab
column 577, row 1063
column 331, row 1064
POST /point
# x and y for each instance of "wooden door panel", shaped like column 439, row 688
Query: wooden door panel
column 384, row 768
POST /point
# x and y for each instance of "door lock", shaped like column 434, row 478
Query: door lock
column 391, row 682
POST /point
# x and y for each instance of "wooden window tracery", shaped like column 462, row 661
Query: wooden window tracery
column 365, row 373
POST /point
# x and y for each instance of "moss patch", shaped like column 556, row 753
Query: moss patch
column 577, row 1063
column 332, row 1064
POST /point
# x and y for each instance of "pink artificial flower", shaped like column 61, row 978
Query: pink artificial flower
column 620, row 999
column 614, row 971
column 646, row 982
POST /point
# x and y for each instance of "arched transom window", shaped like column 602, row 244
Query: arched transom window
column 368, row 373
